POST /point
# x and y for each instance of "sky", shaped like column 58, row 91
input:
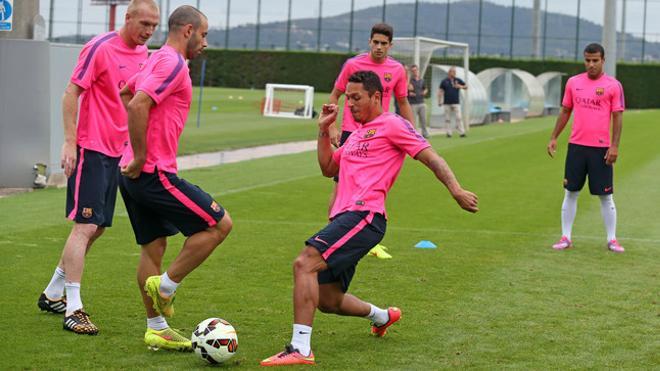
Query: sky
column 244, row 11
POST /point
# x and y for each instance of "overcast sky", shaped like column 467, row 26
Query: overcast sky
column 244, row 11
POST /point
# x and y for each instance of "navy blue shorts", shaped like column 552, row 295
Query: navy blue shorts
column 160, row 204
column 583, row 160
column 344, row 136
column 92, row 188
column 344, row 241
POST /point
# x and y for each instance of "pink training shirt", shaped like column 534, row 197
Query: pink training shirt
column 370, row 162
column 104, row 66
column 165, row 78
column 392, row 76
column 592, row 102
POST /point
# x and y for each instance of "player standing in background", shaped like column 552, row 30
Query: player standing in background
column 597, row 99
column 92, row 149
column 393, row 77
column 159, row 203
column 368, row 165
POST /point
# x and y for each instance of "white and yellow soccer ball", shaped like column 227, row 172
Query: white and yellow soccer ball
column 214, row 340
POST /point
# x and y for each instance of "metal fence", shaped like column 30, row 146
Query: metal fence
column 505, row 28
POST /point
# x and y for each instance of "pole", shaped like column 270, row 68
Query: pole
column 227, row 25
column 416, row 18
column 577, row 30
column 644, row 33
column 318, row 27
column 258, row 26
column 545, row 27
column 350, row 30
column 201, row 91
column 113, row 15
column 198, row 1
column 513, row 21
column 79, row 23
column 481, row 6
column 51, row 12
column 622, row 51
column 384, row 10
column 288, row 28
column 609, row 36
column 536, row 29
column 447, row 24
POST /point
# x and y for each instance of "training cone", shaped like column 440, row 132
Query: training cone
column 379, row 252
column 425, row 245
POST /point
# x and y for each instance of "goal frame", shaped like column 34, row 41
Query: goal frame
column 269, row 111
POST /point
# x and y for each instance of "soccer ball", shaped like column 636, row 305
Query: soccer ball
column 214, row 340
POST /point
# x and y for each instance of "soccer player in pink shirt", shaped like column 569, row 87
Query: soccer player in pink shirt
column 91, row 151
column 597, row 100
column 370, row 162
column 159, row 203
column 392, row 76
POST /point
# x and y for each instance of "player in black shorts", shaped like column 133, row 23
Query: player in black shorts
column 597, row 100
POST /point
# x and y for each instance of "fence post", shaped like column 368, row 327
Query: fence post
column 350, row 30
column 201, row 90
column 318, row 27
column 513, row 20
column 227, row 25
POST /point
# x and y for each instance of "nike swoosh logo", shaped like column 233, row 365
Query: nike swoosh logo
column 303, row 332
column 121, row 66
column 320, row 240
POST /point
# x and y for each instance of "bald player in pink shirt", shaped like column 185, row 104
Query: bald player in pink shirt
column 91, row 151
column 370, row 162
column 597, row 100
column 158, row 202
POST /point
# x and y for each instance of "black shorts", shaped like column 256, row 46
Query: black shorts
column 344, row 136
column 344, row 241
column 92, row 188
column 160, row 204
column 583, row 160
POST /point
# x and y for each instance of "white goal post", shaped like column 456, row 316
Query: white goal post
column 289, row 101
column 419, row 50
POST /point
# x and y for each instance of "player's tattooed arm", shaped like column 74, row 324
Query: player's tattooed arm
column 562, row 119
column 334, row 133
column 466, row 200
column 327, row 118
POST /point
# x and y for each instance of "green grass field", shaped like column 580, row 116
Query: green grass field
column 238, row 123
column 493, row 295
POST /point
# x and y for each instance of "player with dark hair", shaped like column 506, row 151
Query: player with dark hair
column 159, row 203
column 597, row 100
column 376, row 151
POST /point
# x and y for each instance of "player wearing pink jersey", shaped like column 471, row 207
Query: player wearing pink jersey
column 92, row 149
column 392, row 76
column 159, row 203
column 370, row 162
column 597, row 100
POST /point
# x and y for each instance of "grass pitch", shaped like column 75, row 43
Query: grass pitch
column 493, row 295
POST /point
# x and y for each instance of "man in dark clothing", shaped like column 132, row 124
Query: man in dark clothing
column 449, row 95
column 416, row 92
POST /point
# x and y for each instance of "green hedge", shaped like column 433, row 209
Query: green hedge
column 253, row 69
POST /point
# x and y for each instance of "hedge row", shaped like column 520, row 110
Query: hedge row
column 253, row 69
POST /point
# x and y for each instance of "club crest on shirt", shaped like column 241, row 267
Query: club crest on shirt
column 370, row 133
column 600, row 91
column 387, row 76
column 215, row 207
column 87, row 212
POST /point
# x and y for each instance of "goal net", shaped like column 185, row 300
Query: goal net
column 290, row 101
column 420, row 50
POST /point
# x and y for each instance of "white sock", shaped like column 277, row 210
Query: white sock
column 55, row 288
column 157, row 323
column 378, row 316
column 608, row 211
column 302, row 339
column 73, row 301
column 167, row 286
column 568, row 211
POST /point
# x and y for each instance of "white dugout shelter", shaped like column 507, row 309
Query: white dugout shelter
column 551, row 82
column 515, row 91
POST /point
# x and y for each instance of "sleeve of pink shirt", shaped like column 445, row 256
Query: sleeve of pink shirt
column 401, row 87
column 89, row 66
column 342, row 79
column 336, row 156
column 618, row 103
column 163, row 79
column 403, row 135
column 568, row 95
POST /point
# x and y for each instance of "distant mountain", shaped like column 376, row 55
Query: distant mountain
column 463, row 22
